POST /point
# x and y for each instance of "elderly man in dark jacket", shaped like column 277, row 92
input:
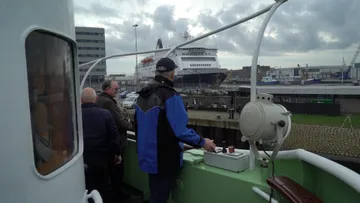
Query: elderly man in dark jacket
column 100, row 147
column 106, row 100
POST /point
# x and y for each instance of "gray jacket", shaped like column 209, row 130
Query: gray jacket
column 122, row 123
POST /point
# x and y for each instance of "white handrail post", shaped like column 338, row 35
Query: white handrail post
column 253, row 74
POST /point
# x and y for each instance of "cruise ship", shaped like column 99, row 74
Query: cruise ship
column 197, row 66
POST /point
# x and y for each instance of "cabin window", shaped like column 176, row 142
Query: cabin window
column 51, row 86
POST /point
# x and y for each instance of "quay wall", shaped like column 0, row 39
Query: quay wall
column 344, row 105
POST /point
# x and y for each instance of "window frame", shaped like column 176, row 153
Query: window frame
column 77, row 131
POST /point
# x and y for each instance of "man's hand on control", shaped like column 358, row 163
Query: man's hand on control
column 209, row 145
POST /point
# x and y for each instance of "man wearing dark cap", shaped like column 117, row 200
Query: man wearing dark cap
column 160, row 125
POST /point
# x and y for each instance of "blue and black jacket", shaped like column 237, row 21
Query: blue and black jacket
column 161, row 130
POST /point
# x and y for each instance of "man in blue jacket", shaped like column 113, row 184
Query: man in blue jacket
column 100, row 143
column 161, row 131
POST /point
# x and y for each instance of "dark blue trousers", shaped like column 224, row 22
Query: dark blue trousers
column 160, row 186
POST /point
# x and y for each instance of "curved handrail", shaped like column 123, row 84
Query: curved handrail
column 254, row 15
column 95, row 62
column 253, row 73
column 109, row 57
column 339, row 171
column 121, row 55
column 95, row 195
column 259, row 38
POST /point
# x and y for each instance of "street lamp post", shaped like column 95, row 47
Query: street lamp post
column 136, row 61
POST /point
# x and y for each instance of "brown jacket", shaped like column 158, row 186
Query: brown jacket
column 122, row 123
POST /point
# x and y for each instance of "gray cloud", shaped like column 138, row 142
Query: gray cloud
column 99, row 10
column 297, row 24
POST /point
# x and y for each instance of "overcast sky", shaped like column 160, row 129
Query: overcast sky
column 314, row 32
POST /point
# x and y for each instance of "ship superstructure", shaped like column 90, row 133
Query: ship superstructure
column 198, row 66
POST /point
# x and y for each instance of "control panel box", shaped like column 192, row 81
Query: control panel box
column 235, row 161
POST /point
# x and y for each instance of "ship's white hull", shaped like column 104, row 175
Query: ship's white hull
column 193, row 69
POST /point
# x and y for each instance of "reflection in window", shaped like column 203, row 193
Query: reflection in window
column 51, row 87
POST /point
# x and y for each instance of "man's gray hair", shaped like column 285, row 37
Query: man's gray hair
column 88, row 94
column 106, row 84
column 164, row 74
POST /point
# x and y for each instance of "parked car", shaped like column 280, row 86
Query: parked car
column 129, row 102
column 123, row 94
column 131, row 94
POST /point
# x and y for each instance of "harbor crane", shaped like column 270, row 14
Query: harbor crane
column 351, row 65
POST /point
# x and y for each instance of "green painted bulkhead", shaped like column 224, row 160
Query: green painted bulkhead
column 198, row 182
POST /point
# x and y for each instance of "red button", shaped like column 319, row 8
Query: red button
column 231, row 149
